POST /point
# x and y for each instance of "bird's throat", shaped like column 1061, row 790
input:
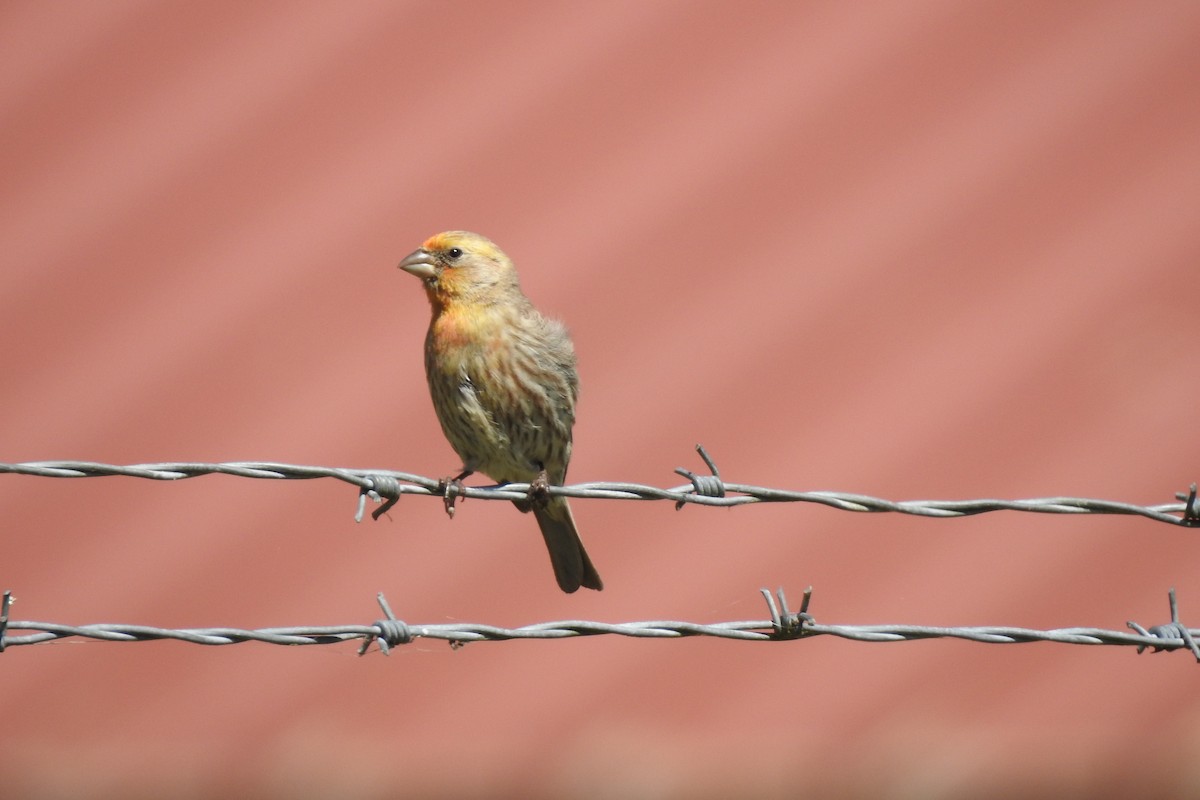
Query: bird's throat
column 457, row 329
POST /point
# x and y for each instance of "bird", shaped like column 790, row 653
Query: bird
column 504, row 384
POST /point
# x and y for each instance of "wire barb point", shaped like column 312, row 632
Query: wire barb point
column 784, row 623
column 4, row 606
column 1171, row 630
column 382, row 489
column 1191, row 508
column 390, row 632
column 703, row 485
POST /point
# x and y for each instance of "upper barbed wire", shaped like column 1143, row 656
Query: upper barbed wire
column 387, row 486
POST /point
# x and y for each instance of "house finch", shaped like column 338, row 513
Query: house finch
column 503, row 383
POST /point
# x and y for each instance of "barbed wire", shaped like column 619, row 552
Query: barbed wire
column 387, row 487
column 783, row 625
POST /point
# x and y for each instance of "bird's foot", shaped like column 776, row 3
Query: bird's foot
column 451, row 489
column 539, row 491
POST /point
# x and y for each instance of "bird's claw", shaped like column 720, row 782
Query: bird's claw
column 450, row 489
column 539, row 491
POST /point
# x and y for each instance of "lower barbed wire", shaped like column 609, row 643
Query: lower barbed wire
column 783, row 625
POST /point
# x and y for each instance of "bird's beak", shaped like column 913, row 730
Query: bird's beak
column 419, row 263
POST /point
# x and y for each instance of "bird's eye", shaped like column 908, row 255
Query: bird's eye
column 454, row 253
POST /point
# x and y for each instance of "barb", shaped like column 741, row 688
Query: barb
column 704, row 485
column 1172, row 630
column 1191, row 509
column 4, row 606
column 388, row 486
column 783, row 625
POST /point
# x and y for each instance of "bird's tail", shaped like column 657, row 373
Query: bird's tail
column 572, row 567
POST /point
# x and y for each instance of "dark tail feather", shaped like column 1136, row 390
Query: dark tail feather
column 572, row 567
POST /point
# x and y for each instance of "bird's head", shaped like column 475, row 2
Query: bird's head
column 458, row 266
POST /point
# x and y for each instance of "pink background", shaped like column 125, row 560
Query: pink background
column 925, row 249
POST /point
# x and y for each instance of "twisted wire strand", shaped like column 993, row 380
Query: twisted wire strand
column 387, row 486
column 783, row 625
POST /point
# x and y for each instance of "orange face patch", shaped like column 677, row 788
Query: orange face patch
column 438, row 242
column 469, row 242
